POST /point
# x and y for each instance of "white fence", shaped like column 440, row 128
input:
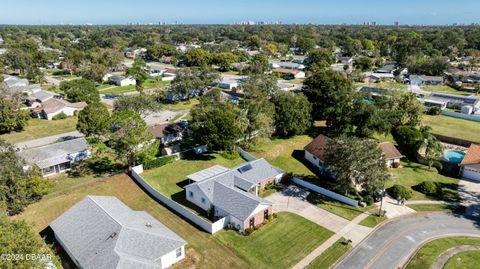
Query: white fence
column 461, row 115
column 325, row 192
column 199, row 221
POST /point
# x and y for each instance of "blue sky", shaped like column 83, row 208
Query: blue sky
column 230, row 11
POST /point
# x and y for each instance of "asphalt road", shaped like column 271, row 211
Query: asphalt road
column 48, row 140
column 391, row 245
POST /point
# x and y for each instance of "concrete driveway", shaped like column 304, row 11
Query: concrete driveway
column 393, row 243
column 469, row 191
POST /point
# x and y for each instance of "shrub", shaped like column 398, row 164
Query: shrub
column 434, row 110
column 427, row 187
column 265, row 222
column 368, row 200
column 438, row 165
column 157, row 162
column 60, row 116
column 248, row 231
column 274, row 215
column 399, row 191
column 230, row 155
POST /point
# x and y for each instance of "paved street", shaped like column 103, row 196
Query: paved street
column 470, row 194
column 391, row 245
column 48, row 140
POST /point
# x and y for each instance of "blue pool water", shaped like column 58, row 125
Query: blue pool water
column 454, row 156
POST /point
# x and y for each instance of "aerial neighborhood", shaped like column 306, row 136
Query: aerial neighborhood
column 247, row 144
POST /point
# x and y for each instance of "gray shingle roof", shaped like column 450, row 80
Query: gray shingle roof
column 102, row 232
column 207, row 173
column 238, row 179
column 52, row 154
column 237, row 203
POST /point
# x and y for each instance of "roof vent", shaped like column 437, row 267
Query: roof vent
column 148, row 224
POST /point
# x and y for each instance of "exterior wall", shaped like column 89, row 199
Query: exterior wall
column 171, row 258
column 390, row 162
column 471, row 172
column 314, row 160
column 69, row 111
column 236, row 223
column 258, row 215
column 197, row 197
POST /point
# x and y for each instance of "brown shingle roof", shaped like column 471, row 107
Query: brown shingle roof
column 389, row 151
column 472, row 156
column 317, row 146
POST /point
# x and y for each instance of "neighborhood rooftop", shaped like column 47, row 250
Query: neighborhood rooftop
column 102, row 232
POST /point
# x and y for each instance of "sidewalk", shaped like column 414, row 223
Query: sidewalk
column 393, row 210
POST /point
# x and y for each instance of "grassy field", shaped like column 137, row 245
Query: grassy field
column 433, row 208
column 450, row 126
column 284, row 153
column 372, row 220
column 148, row 84
column 184, row 105
column 411, row 174
column 38, row 128
column 331, row 255
column 444, row 89
column 466, row 259
column 335, row 207
column 170, row 178
column 429, row 252
column 203, row 250
column 280, row 244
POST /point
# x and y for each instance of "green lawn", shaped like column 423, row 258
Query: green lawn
column 170, row 178
column 331, row 255
column 148, row 84
column 429, row 252
column 343, row 210
column 203, row 250
column 280, row 244
column 453, row 127
column 411, row 174
column 284, row 153
column 433, row 207
column 444, row 89
column 373, row 220
column 184, row 105
column 38, row 128
column 466, row 259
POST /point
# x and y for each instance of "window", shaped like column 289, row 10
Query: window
column 179, row 252
column 252, row 222
column 314, row 157
column 265, row 214
column 203, row 200
column 190, row 193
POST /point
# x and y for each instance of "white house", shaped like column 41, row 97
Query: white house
column 315, row 151
column 102, row 232
column 230, row 81
column 470, row 165
column 233, row 193
column 58, row 157
column 122, row 81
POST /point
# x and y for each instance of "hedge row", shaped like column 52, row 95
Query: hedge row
column 157, row 162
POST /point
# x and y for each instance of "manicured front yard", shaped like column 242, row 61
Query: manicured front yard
column 203, row 250
column 343, row 210
column 286, row 154
column 373, row 220
column 433, row 208
column 444, row 89
column 38, row 128
column 453, row 127
column 148, row 84
column 331, row 255
column 411, row 174
column 429, row 252
column 467, row 259
column 280, row 244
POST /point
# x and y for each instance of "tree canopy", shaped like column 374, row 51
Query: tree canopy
column 80, row 90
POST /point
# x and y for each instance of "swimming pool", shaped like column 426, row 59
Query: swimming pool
column 454, row 156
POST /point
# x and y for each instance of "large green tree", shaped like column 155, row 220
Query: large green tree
column 139, row 71
column 128, row 132
column 217, row 122
column 355, row 164
column 142, row 104
column 292, row 113
column 224, row 60
column 19, row 187
column 79, row 90
column 93, row 119
column 318, row 59
column 197, row 57
column 12, row 117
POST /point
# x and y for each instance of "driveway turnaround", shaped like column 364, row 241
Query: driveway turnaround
column 391, row 245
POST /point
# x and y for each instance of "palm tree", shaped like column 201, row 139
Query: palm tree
column 433, row 148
